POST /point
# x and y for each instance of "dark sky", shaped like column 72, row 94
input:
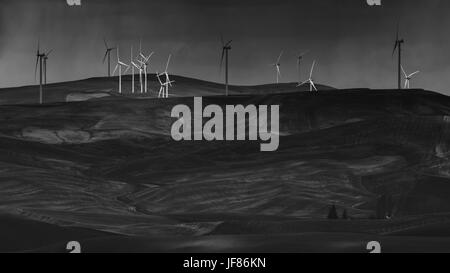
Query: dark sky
column 351, row 41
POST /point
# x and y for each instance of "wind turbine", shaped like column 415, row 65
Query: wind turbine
column 299, row 60
column 225, row 48
column 45, row 58
column 167, row 82
column 277, row 66
column 140, row 71
column 162, row 86
column 119, row 67
column 108, row 55
column 310, row 79
column 408, row 77
column 398, row 44
column 144, row 63
column 39, row 61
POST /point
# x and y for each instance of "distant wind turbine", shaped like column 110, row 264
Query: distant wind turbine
column 408, row 77
column 145, row 63
column 119, row 68
column 398, row 45
column 162, row 87
column 310, row 79
column 299, row 60
column 108, row 55
column 277, row 66
column 139, row 67
column 168, row 82
column 225, row 48
column 39, row 62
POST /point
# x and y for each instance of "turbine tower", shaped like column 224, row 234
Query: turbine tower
column 119, row 67
column 45, row 58
column 408, row 77
column 133, row 65
column 277, row 67
column 39, row 62
column 225, row 48
column 299, row 60
column 139, row 67
column 145, row 60
column 108, row 55
column 398, row 45
column 310, row 79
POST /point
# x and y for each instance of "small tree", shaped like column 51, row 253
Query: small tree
column 332, row 214
column 345, row 215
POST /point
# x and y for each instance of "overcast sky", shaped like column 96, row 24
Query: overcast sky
column 351, row 41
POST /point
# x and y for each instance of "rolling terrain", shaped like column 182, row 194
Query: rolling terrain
column 95, row 88
column 105, row 169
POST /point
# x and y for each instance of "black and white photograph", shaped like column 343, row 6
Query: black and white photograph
column 224, row 126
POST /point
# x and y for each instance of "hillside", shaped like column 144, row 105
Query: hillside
column 95, row 88
column 110, row 165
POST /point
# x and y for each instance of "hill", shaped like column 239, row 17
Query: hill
column 110, row 165
column 95, row 88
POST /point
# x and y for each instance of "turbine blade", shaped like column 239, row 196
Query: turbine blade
column 396, row 39
column 115, row 69
column 414, row 74
column 398, row 31
column 221, row 60
column 303, row 83
column 395, row 48
column 106, row 54
column 159, row 79
column 229, row 42
column 35, row 70
column 312, row 69
column 313, row 85
column 403, row 70
column 279, row 57
column 146, row 59
column 135, row 65
column 106, row 44
column 48, row 53
column 304, row 53
column 168, row 61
